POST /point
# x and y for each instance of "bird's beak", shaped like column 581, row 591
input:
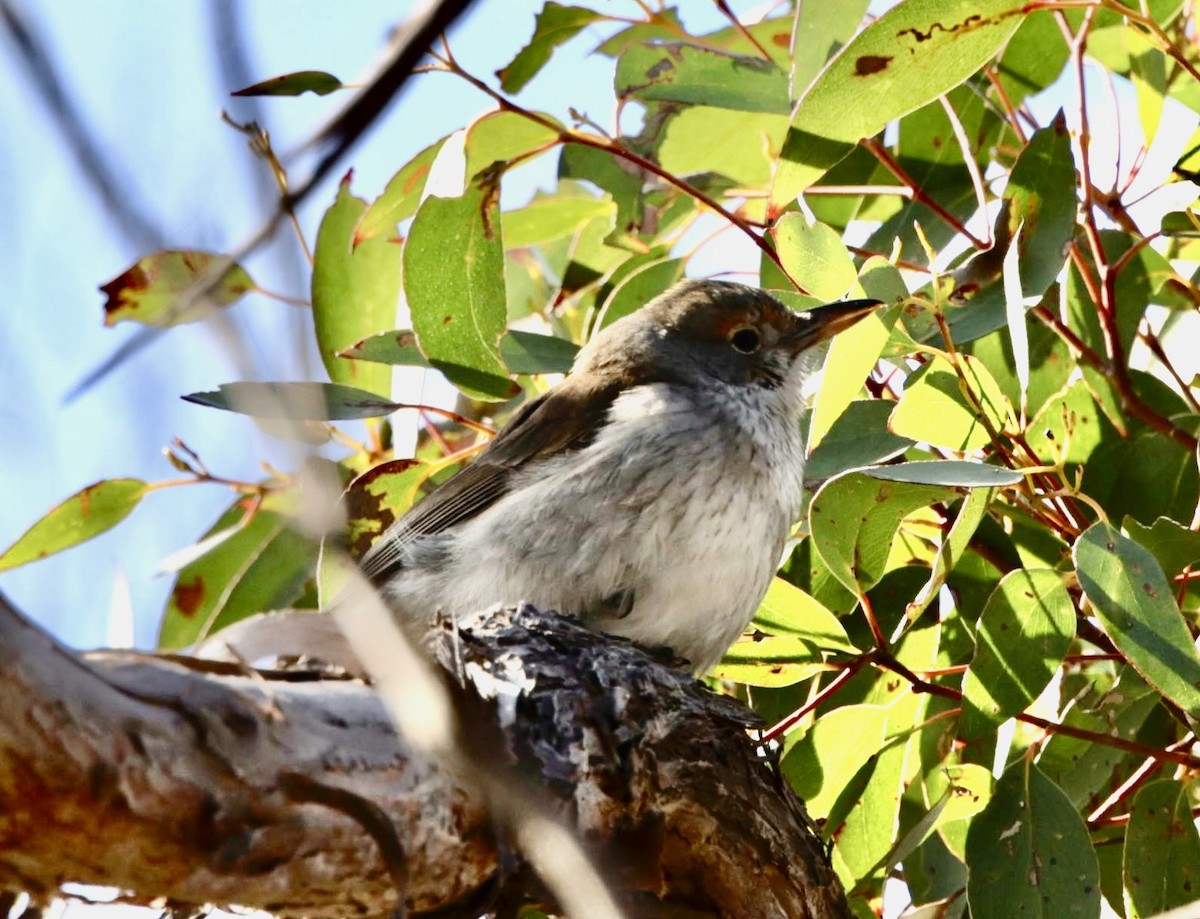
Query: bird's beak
column 815, row 326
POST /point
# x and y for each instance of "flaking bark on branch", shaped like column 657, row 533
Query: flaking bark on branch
column 194, row 782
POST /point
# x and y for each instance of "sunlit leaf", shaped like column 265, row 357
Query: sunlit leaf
column 1022, row 637
column 265, row 565
column 736, row 144
column 815, row 256
column 639, row 288
column 355, row 292
column 173, row 287
column 85, row 514
column 853, row 519
column 937, row 409
column 786, row 609
column 819, row 31
column 555, row 25
column 400, row 196
column 454, row 279
column 499, row 137
column 909, row 56
column 551, row 217
column 820, row 765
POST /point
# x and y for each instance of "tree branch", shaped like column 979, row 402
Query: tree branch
column 202, row 781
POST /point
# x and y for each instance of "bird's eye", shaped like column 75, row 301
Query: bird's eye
column 745, row 340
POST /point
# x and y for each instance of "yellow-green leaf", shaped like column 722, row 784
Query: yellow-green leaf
column 85, row 514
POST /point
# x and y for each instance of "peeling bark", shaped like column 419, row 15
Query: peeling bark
column 193, row 782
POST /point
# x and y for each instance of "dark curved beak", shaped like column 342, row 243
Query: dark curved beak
column 815, row 326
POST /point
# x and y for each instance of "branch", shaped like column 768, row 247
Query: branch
column 200, row 781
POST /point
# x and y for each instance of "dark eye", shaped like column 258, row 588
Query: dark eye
column 745, row 340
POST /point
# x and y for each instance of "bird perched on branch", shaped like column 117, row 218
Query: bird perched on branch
column 649, row 494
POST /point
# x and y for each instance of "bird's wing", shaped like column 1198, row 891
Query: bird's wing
column 560, row 421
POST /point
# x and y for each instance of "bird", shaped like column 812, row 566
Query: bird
column 649, row 494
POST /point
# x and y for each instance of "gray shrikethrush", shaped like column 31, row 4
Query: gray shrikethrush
column 650, row 493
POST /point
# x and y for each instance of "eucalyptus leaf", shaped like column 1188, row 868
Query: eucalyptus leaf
column 1136, row 605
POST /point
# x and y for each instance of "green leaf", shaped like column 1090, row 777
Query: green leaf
column 454, row 279
column 265, row 565
column 1145, row 476
column 873, row 817
column 381, row 496
column 294, row 84
column 1041, row 192
column 1162, row 850
column 1030, row 854
column 788, row 610
column 396, row 347
column 297, row 401
column 818, row 32
column 913, row 53
column 771, row 661
column 528, row 352
column 400, row 196
column 1034, row 58
column 934, row 408
column 1148, row 71
column 174, row 287
column 815, row 256
column 355, row 292
column 639, row 288
column 1173, row 544
column 859, row 437
column 854, row 518
column 499, row 137
column 1069, row 426
column 1136, row 605
column 952, row 548
column 951, row 473
column 555, row 25
column 552, row 217
column 822, row 763
column 1025, row 631
column 851, row 357
column 678, row 72
column 85, row 514
column 738, row 145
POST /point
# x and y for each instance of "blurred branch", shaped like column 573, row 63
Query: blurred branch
column 100, row 172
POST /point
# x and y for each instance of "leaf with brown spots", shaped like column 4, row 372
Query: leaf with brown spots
column 85, row 514
column 266, row 564
column 174, row 287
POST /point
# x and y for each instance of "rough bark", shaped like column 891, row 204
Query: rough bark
column 200, row 782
